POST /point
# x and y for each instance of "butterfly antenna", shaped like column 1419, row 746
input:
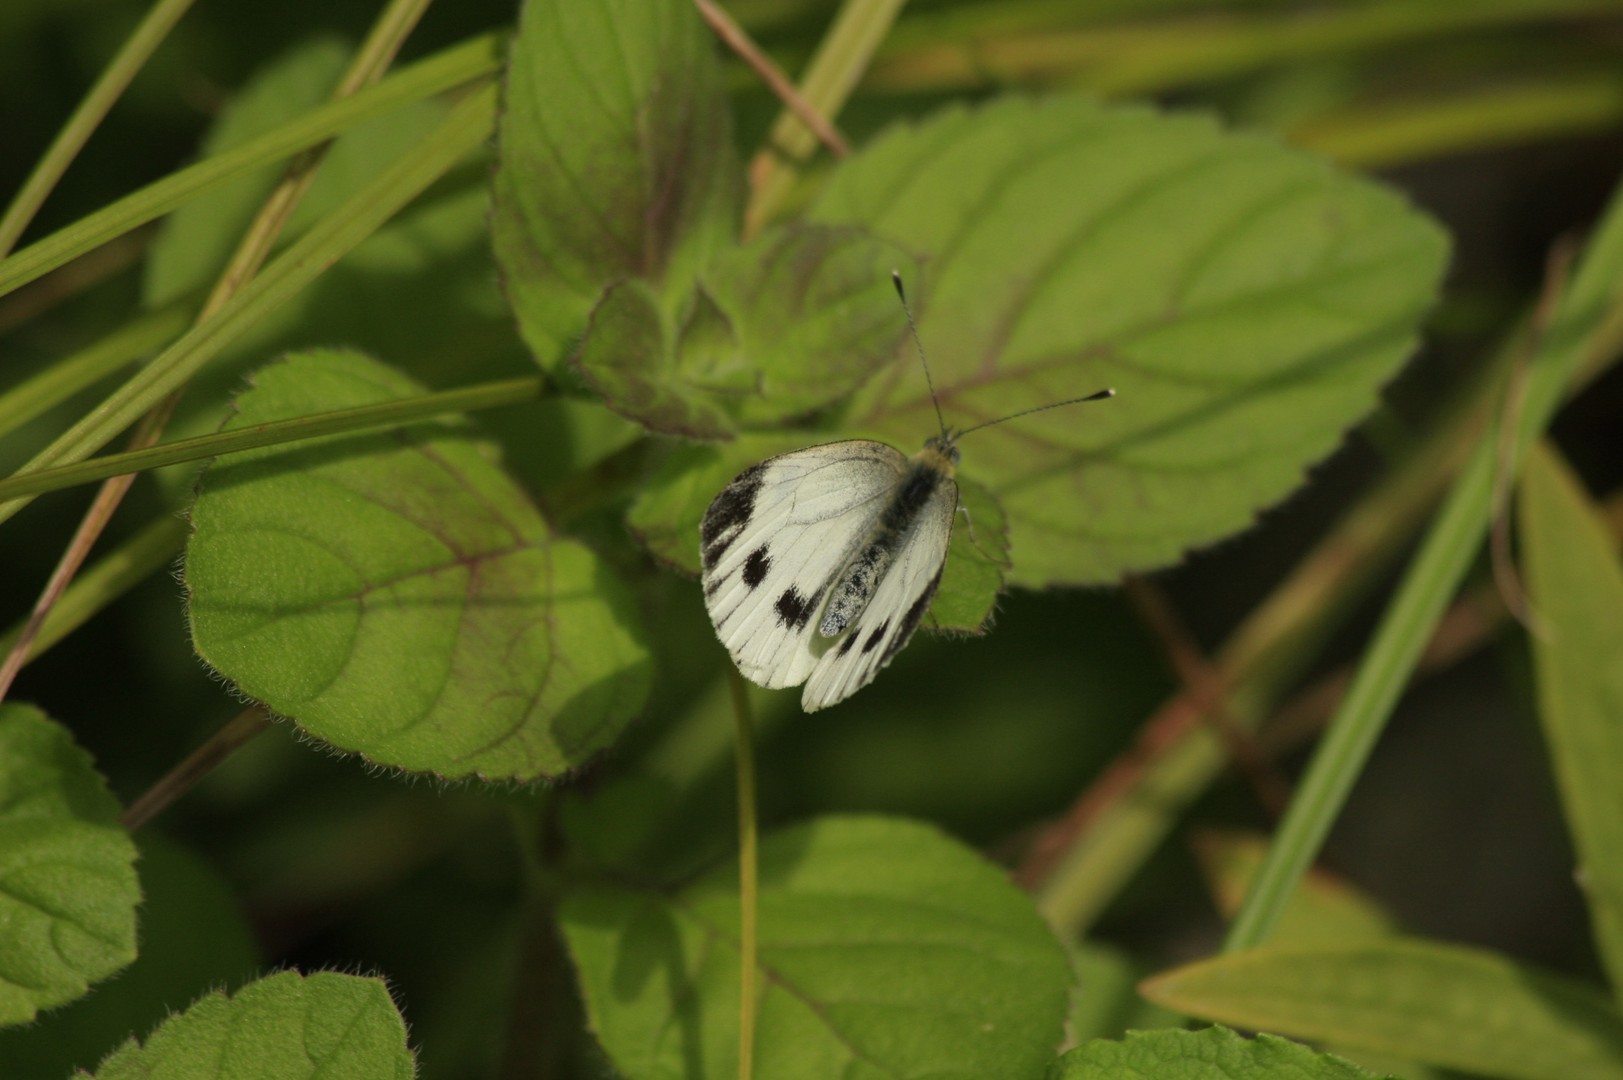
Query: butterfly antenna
column 901, row 293
column 1100, row 396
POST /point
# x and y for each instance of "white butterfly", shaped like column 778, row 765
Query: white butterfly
column 819, row 564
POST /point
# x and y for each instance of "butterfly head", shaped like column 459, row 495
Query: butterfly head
column 942, row 451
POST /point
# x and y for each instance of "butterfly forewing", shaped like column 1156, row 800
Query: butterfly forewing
column 899, row 603
column 774, row 540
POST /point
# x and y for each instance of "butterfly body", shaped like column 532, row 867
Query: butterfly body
column 818, row 565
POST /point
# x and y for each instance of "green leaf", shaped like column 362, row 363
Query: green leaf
column 68, row 888
column 1247, row 301
column 193, row 938
column 399, row 597
column 789, row 323
column 666, row 513
column 615, row 161
column 885, row 949
column 195, row 241
column 1461, row 1008
column 284, row 1027
column 1575, row 584
column 1213, row 1054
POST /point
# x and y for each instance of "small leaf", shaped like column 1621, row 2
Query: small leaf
column 1461, row 1008
column 193, row 938
column 1213, row 1054
column 284, row 1027
column 789, row 323
column 885, row 949
column 399, row 597
column 1247, row 301
column 1575, row 584
column 615, row 162
column 976, row 563
column 68, row 888
column 630, row 358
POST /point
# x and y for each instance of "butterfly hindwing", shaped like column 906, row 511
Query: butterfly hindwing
column 773, row 541
column 898, row 605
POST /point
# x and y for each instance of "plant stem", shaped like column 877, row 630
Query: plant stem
column 1585, row 318
column 468, row 125
column 237, row 733
column 473, row 60
column 160, row 19
column 384, row 414
column 140, row 337
column 840, row 61
column 748, row 874
column 736, row 39
column 114, row 574
column 368, row 65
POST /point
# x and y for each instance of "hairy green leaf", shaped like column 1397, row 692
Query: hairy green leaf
column 193, row 938
column 1213, row 1054
column 1448, row 1005
column 68, row 888
column 1575, row 584
column 284, row 1027
column 615, row 162
column 885, row 950
column 1246, row 300
column 399, row 597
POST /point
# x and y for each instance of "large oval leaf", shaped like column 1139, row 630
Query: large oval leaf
column 67, row 869
column 1246, row 300
column 399, row 597
column 886, row 949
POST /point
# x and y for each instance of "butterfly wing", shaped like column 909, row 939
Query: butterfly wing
column 773, row 541
column 898, row 604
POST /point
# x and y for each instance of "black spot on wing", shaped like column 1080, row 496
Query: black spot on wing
column 756, row 567
column 873, row 639
column 794, row 610
column 729, row 512
column 910, row 621
column 850, row 640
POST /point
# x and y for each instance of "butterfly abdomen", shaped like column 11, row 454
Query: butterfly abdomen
column 857, row 581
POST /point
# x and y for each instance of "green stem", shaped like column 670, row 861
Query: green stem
column 145, row 335
column 385, row 414
column 840, row 61
column 748, row 875
column 466, row 128
column 1586, row 317
column 1107, row 840
column 474, row 59
column 110, row 577
column 160, row 19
